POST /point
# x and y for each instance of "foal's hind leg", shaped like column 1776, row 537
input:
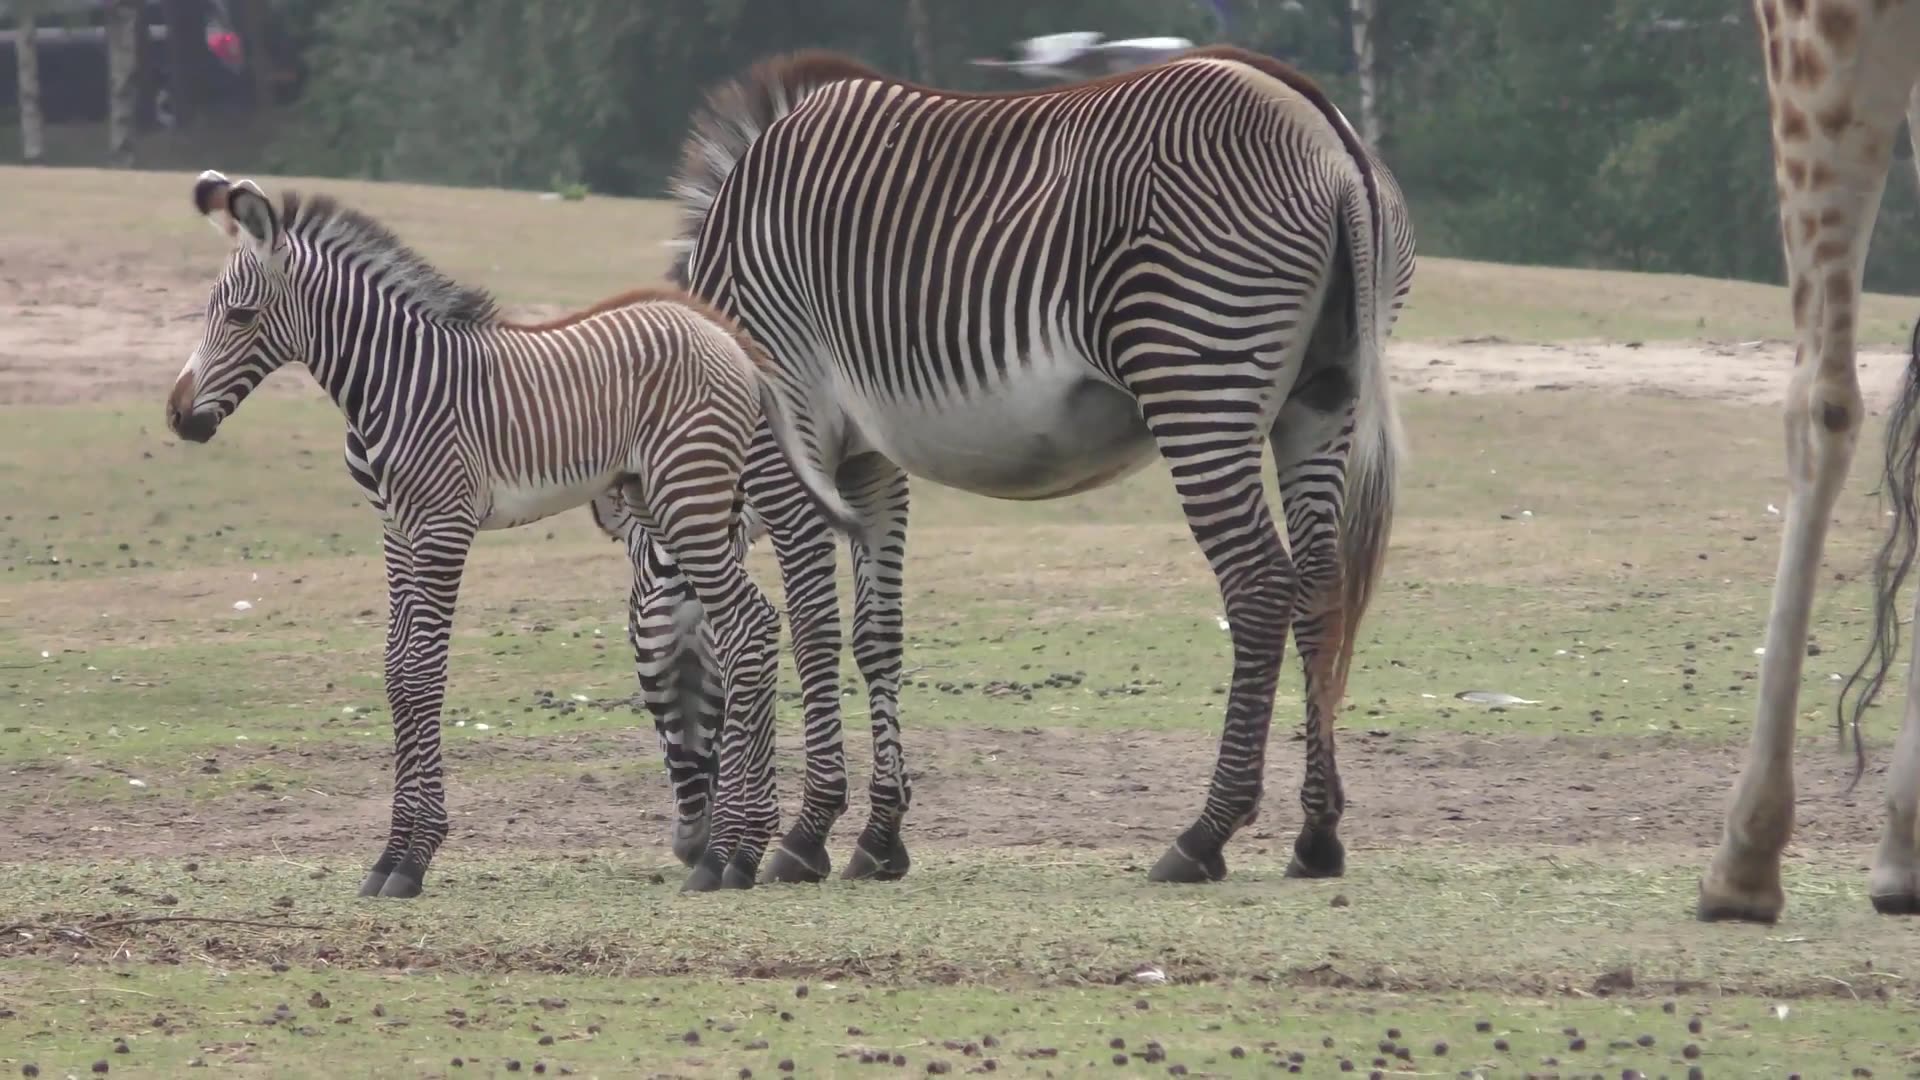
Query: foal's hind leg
column 674, row 667
column 695, row 517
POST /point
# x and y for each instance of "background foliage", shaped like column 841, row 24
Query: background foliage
column 1624, row 134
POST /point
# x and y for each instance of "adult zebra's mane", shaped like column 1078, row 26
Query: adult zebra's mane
column 340, row 231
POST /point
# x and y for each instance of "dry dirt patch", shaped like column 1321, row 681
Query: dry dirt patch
column 973, row 788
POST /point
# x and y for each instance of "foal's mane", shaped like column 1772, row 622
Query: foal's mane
column 355, row 236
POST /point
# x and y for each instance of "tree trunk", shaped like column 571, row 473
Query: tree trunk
column 26, row 53
column 123, row 78
column 1365, row 14
column 253, row 41
column 186, row 58
column 920, row 38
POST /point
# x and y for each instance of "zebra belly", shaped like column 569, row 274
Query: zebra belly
column 514, row 502
column 1034, row 438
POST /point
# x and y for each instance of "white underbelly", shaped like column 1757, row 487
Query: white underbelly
column 520, row 502
column 1054, row 429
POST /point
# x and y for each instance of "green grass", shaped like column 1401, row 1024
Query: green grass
column 354, row 1024
column 1038, row 951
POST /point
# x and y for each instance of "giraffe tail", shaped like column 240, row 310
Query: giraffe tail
column 1900, row 493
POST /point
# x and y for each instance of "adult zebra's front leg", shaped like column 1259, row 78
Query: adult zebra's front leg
column 1217, row 471
column 423, row 585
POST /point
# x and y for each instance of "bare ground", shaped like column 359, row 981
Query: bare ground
column 972, row 788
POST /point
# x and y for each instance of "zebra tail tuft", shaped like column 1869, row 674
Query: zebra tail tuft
column 1899, row 488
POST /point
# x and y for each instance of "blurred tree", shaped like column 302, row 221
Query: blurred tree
column 27, row 71
column 123, row 78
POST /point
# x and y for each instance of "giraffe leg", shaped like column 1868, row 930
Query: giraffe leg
column 877, row 489
column 1831, row 176
column 427, row 566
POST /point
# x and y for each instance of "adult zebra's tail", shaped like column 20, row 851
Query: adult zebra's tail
column 1366, row 520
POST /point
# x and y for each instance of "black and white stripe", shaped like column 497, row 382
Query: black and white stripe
column 459, row 421
column 1026, row 296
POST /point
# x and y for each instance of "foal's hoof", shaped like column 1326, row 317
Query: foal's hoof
column 865, row 864
column 1896, row 903
column 690, row 839
column 1176, row 867
column 707, row 875
column 402, row 885
column 801, row 861
column 376, row 880
column 739, row 872
column 1317, row 855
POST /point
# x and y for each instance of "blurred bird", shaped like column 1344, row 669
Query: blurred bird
column 1081, row 54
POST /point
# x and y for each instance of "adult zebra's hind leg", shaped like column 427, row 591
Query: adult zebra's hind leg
column 877, row 489
column 1216, row 470
column 1312, row 491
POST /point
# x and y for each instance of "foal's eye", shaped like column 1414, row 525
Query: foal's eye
column 242, row 316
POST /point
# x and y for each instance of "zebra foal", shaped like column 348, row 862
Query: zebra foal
column 1031, row 295
column 459, row 420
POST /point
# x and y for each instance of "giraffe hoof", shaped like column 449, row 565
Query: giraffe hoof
column 1317, row 854
column 864, row 864
column 690, row 839
column 1721, row 904
column 402, row 885
column 797, row 862
column 739, row 872
column 707, row 875
column 1176, row 867
column 1897, row 903
column 376, row 880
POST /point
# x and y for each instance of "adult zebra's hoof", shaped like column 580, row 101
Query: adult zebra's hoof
column 401, row 885
column 740, row 872
column 376, row 880
column 1176, row 867
column 1317, row 855
column 707, row 875
column 690, row 839
column 801, row 861
column 863, row 864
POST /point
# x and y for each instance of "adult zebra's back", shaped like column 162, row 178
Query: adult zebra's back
column 1024, row 295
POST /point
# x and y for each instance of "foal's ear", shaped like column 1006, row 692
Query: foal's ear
column 210, row 192
column 254, row 214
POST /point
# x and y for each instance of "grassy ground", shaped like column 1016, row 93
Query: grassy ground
column 559, row 253
column 172, row 758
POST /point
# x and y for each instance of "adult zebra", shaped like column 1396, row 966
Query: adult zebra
column 1024, row 295
column 458, row 420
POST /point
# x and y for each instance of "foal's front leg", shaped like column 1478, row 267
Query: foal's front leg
column 423, row 584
